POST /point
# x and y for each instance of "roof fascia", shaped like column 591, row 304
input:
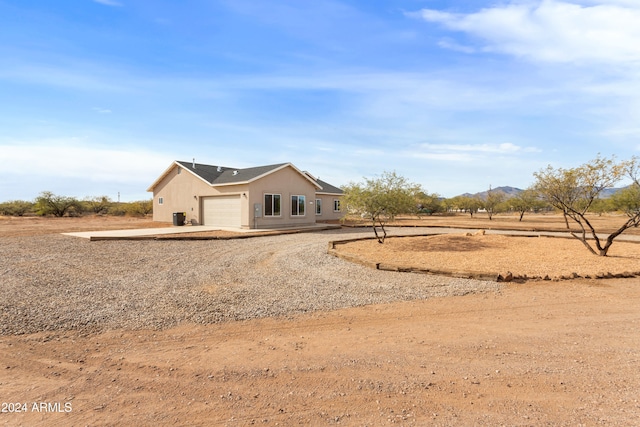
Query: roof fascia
column 169, row 169
column 226, row 184
column 162, row 176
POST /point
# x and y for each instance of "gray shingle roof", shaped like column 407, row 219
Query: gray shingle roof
column 328, row 188
column 222, row 175
column 225, row 175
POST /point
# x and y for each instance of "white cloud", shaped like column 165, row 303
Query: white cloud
column 447, row 43
column 75, row 158
column 72, row 74
column 465, row 153
column 109, row 3
column 503, row 148
column 553, row 30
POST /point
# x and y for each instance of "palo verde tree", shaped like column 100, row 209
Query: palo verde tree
column 573, row 191
column 381, row 199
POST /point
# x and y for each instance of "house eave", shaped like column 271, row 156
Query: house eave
column 227, row 184
column 161, row 177
column 169, row 169
column 325, row 193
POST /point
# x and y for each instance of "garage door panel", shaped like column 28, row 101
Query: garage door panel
column 221, row 211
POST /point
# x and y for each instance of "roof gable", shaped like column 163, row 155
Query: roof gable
column 221, row 175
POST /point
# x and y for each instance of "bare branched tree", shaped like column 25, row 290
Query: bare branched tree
column 574, row 191
column 48, row 203
column 526, row 201
column 493, row 201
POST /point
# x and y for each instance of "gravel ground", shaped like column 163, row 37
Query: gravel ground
column 57, row 283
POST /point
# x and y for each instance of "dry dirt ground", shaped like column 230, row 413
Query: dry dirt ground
column 521, row 258
column 538, row 353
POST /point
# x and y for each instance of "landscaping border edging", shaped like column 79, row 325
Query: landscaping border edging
column 477, row 275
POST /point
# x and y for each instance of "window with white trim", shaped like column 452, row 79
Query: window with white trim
column 318, row 206
column 272, row 204
column 336, row 205
column 161, row 200
column 297, row 205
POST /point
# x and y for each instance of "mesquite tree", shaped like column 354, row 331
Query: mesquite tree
column 381, row 199
column 525, row 201
column 493, row 201
column 574, row 191
column 48, row 203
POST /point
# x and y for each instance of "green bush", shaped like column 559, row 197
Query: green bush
column 99, row 205
column 140, row 207
column 16, row 208
column 48, row 203
column 117, row 209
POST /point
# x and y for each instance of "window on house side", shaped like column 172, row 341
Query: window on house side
column 336, row 205
column 318, row 206
column 297, row 205
column 161, row 200
column 272, row 205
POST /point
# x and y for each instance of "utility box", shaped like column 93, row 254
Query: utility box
column 257, row 210
column 178, row 218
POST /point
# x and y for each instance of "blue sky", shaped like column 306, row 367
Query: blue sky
column 98, row 97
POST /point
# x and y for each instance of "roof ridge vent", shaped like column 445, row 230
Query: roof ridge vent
column 235, row 173
column 219, row 168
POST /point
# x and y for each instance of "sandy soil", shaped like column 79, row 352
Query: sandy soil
column 540, row 353
column 33, row 226
column 522, row 257
column 530, row 222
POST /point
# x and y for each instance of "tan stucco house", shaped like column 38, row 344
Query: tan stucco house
column 272, row 196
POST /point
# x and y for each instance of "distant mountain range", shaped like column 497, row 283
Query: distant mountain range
column 508, row 191
column 513, row 191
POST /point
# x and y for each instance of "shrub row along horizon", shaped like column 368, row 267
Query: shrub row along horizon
column 48, row 203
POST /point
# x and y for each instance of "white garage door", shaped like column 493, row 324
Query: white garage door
column 221, row 211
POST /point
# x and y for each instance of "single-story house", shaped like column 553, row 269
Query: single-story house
column 272, row 196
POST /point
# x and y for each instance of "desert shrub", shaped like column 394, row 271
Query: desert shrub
column 117, row 209
column 16, row 208
column 48, row 203
column 98, row 205
column 139, row 207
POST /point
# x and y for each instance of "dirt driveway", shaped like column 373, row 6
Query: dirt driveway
column 542, row 353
